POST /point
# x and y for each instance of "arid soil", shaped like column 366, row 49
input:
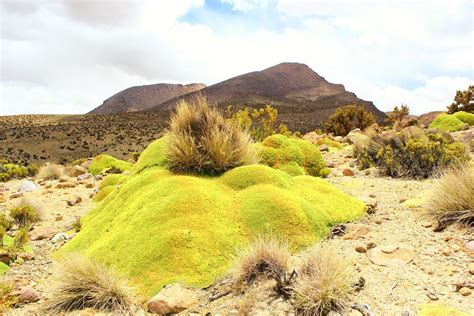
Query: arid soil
column 399, row 262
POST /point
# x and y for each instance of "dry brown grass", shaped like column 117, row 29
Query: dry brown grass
column 82, row 283
column 323, row 283
column 203, row 141
column 265, row 258
column 452, row 197
column 50, row 171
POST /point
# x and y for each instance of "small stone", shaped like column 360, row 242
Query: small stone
column 59, row 237
column 49, row 185
column 89, row 185
column 371, row 245
column 43, row 232
column 427, row 224
column 447, row 238
column 348, row 172
column 468, row 248
column 28, row 295
column 378, row 221
column 172, row 299
column 16, row 195
column 471, row 268
column 446, row 251
column 3, row 199
column 361, row 249
column 74, row 171
column 389, row 249
column 27, row 256
column 27, row 186
column 356, row 232
column 465, row 291
column 74, row 201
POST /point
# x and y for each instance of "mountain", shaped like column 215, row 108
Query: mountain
column 142, row 97
column 303, row 98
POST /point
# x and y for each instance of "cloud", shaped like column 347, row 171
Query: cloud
column 69, row 56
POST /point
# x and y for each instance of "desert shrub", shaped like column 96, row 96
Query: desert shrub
column 292, row 155
column 201, row 140
column 11, row 171
column 5, row 222
column 265, row 258
column 4, row 176
column 104, row 163
column 21, row 238
column 50, row 171
column 33, row 169
column 3, row 231
column 7, row 297
column 398, row 113
column 23, row 215
column 347, row 118
column 452, row 197
column 81, row 283
column 463, row 101
column 411, row 153
column 259, row 122
column 323, row 283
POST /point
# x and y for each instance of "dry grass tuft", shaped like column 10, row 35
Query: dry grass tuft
column 323, row 283
column 452, row 197
column 203, row 141
column 265, row 258
column 81, row 283
column 50, row 171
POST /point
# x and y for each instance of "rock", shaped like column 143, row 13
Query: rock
column 172, row 299
column 60, row 237
column 356, row 232
column 465, row 127
column 28, row 295
column 43, row 232
column 63, row 179
column 27, row 186
column 339, row 139
column 361, row 249
column 371, row 245
column 471, row 268
column 86, row 164
column 330, row 164
column 89, row 185
column 468, row 247
column 49, row 185
column 84, row 176
column 353, row 134
column 371, row 205
column 3, row 199
column 65, row 185
column 74, row 171
column 348, row 172
column 74, row 201
column 16, row 195
column 392, row 256
column 446, row 251
column 324, row 148
column 27, row 256
column 465, row 291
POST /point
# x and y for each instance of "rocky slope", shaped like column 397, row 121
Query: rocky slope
column 142, row 97
column 303, row 98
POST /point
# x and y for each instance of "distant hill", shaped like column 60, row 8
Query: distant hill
column 142, row 97
column 303, row 98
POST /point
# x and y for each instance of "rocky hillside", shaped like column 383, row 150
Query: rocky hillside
column 142, row 97
column 303, row 98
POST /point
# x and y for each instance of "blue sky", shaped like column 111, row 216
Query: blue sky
column 67, row 56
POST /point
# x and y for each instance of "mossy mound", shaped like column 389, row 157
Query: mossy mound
column 439, row 310
column 332, row 145
column 103, row 163
column 159, row 227
column 153, row 155
column 292, row 155
column 103, row 193
column 453, row 122
column 112, row 180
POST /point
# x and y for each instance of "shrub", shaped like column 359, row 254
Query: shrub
column 323, row 283
column 3, row 231
column 5, row 222
column 347, row 118
column 292, row 155
column 463, row 101
column 410, row 153
column 452, row 197
column 33, row 169
column 260, row 123
column 11, row 171
column 265, row 258
column 50, row 172
column 21, row 238
column 201, row 140
column 81, row 283
column 398, row 113
column 23, row 215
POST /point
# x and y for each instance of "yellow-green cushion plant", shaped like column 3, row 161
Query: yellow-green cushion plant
column 159, row 227
column 292, row 155
column 102, row 163
column 465, row 117
column 440, row 310
column 452, row 122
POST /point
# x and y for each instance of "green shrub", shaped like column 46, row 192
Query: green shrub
column 260, row 123
column 3, row 231
column 452, row 122
column 201, row 140
column 411, row 153
column 292, row 155
column 23, row 215
column 347, row 118
column 4, row 176
column 33, row 169
column 11, row 171
column 103, row 163
column 21, row 238
column 5, row 222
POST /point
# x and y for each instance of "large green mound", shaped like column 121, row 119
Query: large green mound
column 453, row 122
column 103, row 163
column 159, row 227
column 292, row 155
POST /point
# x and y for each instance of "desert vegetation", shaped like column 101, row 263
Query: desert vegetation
column 347, row 118
column 463, row 101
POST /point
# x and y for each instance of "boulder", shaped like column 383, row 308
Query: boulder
column 348, row 172
column 74, row 171
column 172, row 299
column 28, row 295
column 43, row 232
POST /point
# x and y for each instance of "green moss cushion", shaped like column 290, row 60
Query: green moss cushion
column 159, row 227
column 465, row 117
column 153, row 155
column 112, row 180
column 451, row 123
column 292, row 155
column 439, row 310
column 102, row 163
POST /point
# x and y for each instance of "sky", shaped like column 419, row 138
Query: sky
column 67, row 56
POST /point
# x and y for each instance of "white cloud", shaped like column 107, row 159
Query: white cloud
column 69, row 56
column 246, row 5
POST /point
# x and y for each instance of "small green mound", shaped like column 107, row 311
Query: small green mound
column 103, row 193
column 103, row 163
column 292, row 155
column 452, row 122
column 332, row 145
column 159, row 227
column 152, row 156
column 465, row 117
column 112, row 180
column 439, row 310
column 3, row 268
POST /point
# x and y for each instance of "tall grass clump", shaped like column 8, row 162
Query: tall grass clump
column 82, row 283
column 452, row 197
column 203, row 141
column 50, row 172
column 323, row 283
column 265, row 258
